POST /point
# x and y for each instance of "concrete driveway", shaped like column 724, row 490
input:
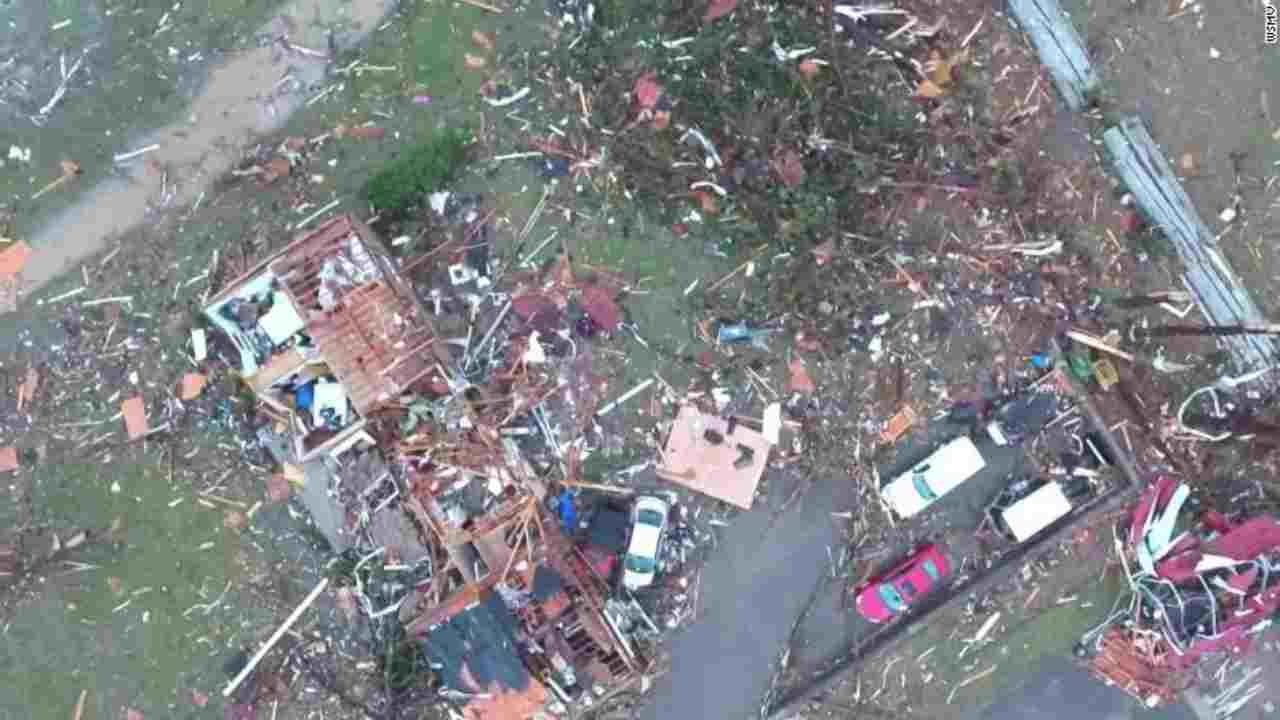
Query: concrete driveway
column 754, row 585
column 762, row 575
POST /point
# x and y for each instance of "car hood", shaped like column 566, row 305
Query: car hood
column 902, row 497
column 634, row 580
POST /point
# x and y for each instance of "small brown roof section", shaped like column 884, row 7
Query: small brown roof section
column 8, row 459
column 362, row 317
column 690, row 459
column 135, row 416
column 299, row 265
column 13, row 257
column 371, row 344
column 499, row 703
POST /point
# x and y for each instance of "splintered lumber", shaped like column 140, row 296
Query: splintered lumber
column 271, row 642
column 1098, row 344
column 969, row 681
column 1214, row 286
column 1060, row 48
column 84, row 694
column 598, row 487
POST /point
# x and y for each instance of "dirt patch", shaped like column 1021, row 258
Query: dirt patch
column 252, row 93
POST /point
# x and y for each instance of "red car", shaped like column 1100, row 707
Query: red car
column 891, row 593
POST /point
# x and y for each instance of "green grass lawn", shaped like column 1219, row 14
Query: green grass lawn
column 137, row 75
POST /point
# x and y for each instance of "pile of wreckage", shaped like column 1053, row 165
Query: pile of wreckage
column 456, row 463
column 1194, row 597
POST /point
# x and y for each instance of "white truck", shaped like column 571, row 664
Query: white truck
column 933, row 477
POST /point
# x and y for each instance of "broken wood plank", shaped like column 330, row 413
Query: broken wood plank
column 968, row 681
column 275, row 638
column 84, row 694
column 27, row 390
column 135, row 416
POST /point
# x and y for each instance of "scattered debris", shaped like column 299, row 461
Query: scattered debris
column 717, row 9
column 901, row 422
column 1192, row 599
column 192, row 385
column 8, row 459
column 800, row 380
column 70, row 169
column 135, row 417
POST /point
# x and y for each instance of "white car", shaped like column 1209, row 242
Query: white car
column 648, row 523
column 935, row 476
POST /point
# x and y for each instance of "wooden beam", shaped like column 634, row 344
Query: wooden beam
column 275, row 638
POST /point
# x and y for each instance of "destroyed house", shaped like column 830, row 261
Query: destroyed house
column 327, row 331
column 536, row 589
column 474, row 653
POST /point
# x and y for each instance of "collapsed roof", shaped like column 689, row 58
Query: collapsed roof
column 1206, row 591
column 534, row 621
column 336, row 287
column 474, row 651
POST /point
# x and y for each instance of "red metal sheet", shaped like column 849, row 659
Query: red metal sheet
column 1156, row 495
column 1248, row 540
column 1243, row 581
column 1179, row 568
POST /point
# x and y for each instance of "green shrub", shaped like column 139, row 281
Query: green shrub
column 423, row 169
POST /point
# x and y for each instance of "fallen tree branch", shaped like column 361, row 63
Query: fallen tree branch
column 59, row 92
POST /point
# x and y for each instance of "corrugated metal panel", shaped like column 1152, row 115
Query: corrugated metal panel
column 1218, row 292
column 1060, row 48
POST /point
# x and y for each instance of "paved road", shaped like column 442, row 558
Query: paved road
column 1063, row 691
column 755, row 584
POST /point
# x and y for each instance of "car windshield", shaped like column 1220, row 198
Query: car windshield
column 650, row 517
column 891, row 598
column 931, row 570
column 922, row 487
column 908, row 590
column 637, row 564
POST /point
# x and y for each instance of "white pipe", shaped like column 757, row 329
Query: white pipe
column 288, row 623
column 625, row 397
column 1213, row 393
